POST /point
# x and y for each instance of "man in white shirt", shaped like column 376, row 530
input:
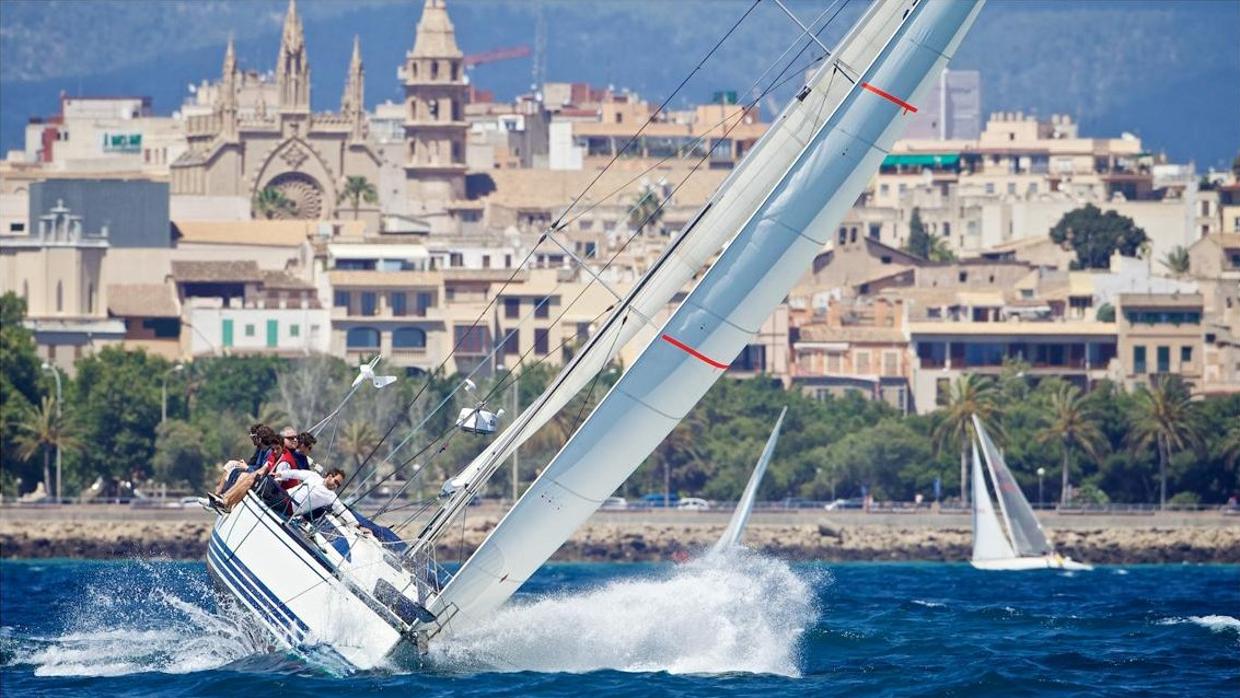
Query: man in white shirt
column 316, row 493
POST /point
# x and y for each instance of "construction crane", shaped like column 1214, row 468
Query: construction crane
column 496, row 55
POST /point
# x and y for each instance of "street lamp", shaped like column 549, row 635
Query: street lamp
column 163, row 392
column 56, row 374
column 1041, row 472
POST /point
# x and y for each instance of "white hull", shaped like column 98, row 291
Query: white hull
column 1020, row 564
column 317, row 596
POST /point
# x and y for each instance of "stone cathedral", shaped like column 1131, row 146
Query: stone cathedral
column 260, row 136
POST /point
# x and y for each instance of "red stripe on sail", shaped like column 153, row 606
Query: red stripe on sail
column 889, row 97
column 692, row 352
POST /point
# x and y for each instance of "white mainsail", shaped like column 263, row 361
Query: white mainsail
column 732, row 204
column 736, row 526
column 1026, row 535
column 860, row 119
column 989, row 540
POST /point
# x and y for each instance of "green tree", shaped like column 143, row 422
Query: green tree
column 1106, row 313
column 1165, row 418
column 1095, row 236
column 270, row 203
column 1072, row 424
column 117, row 401
column 180, row 454
column 240, row 384
column 356, row 190
column 1177, row 261
column 19, row 384
column 647, row 209
column 357, row 439
column 919, row 242
column 969, row 395
column 40, row 430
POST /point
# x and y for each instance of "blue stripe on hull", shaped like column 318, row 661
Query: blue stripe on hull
column 264, row 603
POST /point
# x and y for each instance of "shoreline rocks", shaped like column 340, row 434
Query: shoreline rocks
column 644, row 541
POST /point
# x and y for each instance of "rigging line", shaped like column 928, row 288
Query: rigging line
column 800, row 24
column 738, row 114
column 656, row 112
column 455, row 428
column 697, row 165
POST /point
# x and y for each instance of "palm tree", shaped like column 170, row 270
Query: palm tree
column 357, row 440
column 1073, row 424
column 40, row 429
column 1176, row 261
column 270, row 202
column 356, row 190
column 1165, row 417
column 647, row 209
column 969, row 395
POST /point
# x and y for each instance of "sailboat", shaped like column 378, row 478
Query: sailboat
column 763, row 225
column 1018, row 543
column 731, row 537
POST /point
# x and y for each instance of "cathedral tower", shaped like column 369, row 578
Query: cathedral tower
column 435, row 127
column 293, row 65
column 226, row 99
column 353, row 101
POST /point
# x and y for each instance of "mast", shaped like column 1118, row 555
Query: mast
column 854, row 118
column 727, row 210
column 736, row 526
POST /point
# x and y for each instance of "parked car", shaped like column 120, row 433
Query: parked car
column 657, row 501
column 693, row 504
column 852, row 503
column 615, row 504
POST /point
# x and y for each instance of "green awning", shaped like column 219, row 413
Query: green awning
column 922, row 160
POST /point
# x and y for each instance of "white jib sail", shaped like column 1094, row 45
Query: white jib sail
column 754, row 273
column 989, row 540
column 732, row 204
column 736, row 526
column 1025, row 530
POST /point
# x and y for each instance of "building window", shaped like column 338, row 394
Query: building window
column 963, row 276
column 294, row 330
column 408, row 338
column 540, row 342
column 1138, row 360
column 512, row 343
column 1186, row 355
column 1164, row 359
column 399, row 303
column 583, row 331
column 60, row 297
column 227, row 332
column 543, row 309
column 425, row 300
column 891, row 363
column 486, row 261
column 512, row 308
column 362, row 338
column 470, row 339
column 863, row 363
column 368, row 303
column 341, row 299
column 876, row 231
column 990, row 187
column 456, row 259
column 17, row 227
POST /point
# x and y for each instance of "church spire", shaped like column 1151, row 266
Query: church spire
column 436, row 37
column 226, row 100
column 293, row 65
column 353, row 102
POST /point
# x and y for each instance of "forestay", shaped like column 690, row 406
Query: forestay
column 736, row 526
column 727, row 210
column 989, row 540
column 753, row 274
column 1027, row 535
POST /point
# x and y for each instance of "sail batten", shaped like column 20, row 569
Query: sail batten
column 907, row 42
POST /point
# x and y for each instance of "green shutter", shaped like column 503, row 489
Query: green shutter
column 228, row 333
column 273, row 331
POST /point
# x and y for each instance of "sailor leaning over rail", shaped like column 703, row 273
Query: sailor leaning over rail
column 313, row 495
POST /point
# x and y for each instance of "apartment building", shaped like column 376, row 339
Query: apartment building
column 1160, row 334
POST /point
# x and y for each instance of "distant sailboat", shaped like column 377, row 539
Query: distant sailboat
column 1017, row 543
column 731, row 537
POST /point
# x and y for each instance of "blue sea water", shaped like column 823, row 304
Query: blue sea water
column 748, row 625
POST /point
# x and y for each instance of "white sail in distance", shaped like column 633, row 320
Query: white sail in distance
column 736, row 525
column 727, row 210
column 1025, row 530
column 989, row 540
column 861, row 115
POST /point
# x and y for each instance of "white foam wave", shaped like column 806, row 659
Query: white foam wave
column 725, row 613
column 1214, row 623
column 139, row 623
column 929, row 604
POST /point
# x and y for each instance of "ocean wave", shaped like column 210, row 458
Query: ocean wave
column 737, row 612
column 1214, row 623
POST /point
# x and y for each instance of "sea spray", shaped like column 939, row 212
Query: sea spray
column 142, row 617
column 734, row 612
